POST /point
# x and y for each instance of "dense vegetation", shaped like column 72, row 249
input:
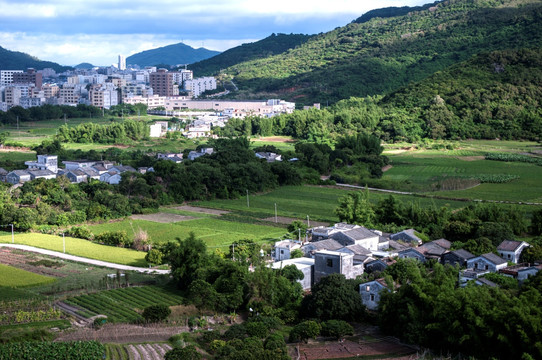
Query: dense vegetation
column 21, row 61
column 493, row 95
column 385, row 54
column 272, row 45
column 48, row 112
column 78, row 350
column 478, row 228
column 429, row 309
column 114, row 133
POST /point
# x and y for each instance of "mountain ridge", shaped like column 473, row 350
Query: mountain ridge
column 173, row 54
column 16, row 60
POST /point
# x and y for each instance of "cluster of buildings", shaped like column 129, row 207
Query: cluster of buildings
column 352, row 250
column 101, row 87
column 77, row 171
column 105, row 87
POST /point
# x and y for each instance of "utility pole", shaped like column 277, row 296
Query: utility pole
column 12, row 235
column 308, row 222
column 65, row 121
column 276, row 219
column 248, row 201
column 64, row 242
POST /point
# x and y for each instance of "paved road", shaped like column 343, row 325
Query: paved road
column 84, row 260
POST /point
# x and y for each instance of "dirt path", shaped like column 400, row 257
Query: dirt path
column 163, row 218
column 84, row 260
column 201, row 210
column 288, row 220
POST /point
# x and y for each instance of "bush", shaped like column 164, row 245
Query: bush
column 115, row 238
column 337, row 328
column 235, row 332
column 156, row 313
column 154, row 256
column 257, row 329
column 304, row 331
column 187, row 353
column 80, row 232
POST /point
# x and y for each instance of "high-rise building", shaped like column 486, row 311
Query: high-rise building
column 163, row 83
column 122, row 62
column 6, row 76
column 31, row 76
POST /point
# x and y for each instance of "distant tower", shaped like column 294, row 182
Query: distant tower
column 122, row 62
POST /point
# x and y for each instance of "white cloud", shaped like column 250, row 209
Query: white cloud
column 101, row 49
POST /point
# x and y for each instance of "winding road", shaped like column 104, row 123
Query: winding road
column 85, row 260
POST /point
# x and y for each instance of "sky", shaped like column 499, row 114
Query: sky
column 97, row 31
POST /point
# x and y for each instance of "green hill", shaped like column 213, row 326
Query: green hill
column 391, row 12
column 171, row 55
column 384, row 54
column 15, row 60
column 271, row 45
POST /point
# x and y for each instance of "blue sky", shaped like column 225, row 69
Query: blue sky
column 73, row 31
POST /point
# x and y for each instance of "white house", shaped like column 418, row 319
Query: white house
column 489, row 261
column 284, row 248
column 511, row 250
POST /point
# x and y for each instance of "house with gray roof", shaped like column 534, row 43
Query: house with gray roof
column 335, row 262
column 311, row 248
column 18, row 176
column 269, row 156
column 76, row 176
column 371, row 291
column 378, row 265
column 408, row 235
column 357, row 236
column 412, row 253
column 41, row 174
column 489, row 261
column 456, row 257
column 510, row 250
column 284, row 248
column 3, row 173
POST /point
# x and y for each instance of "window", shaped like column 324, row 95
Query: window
column 282, row 251
column 372, row 297
column 367, row 288
column 330, row 262
column 509, row 256
column 487, row 267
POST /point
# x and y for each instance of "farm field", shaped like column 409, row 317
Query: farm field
column 319, row 202
column 13, row 277
column 124, row 304
column 79, row 247
column 215, row 232
column 426, row 170
column 154, row 351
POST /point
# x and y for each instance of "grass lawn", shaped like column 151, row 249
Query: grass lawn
column 80, row 247
column 215, row 232
column 13, row 277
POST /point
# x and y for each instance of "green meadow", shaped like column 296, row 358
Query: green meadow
column 215, row 232
column 79, row 247
column 13, row 277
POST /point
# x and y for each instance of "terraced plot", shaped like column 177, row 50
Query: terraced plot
column 123, row 305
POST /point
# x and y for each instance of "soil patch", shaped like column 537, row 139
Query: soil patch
column 124, row 333
column 288, row 221
column 471, row 158
column 386, row 168
column 278, row 139
column 14, row 148
column 201, row 210
column 163, row 217
column 386, row 347
column 21, row 260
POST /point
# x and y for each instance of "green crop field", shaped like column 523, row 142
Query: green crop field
column 319, row 202
column 125, row 304
column 13, row 277
column 215, row 232
column 80, row 247
column 427, row 170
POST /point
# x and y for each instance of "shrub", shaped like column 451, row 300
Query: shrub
column 154, row 256
column 115, row 238
column 156, row 313
column 257, row 329
column 304, row 331
column 235, row 332
column 187, row 353
column 80, row 232
column 337, row 328
column 141, row 241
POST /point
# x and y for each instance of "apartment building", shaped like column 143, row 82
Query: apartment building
column 6, row 76
column 163, row 83
column 31, row 76
column 103, row 95
column 196, row 87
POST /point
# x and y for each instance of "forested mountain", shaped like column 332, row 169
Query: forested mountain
column 271, row 45
column 15, row 60
column 171, row 55
column 391, row 12
column 384, row 54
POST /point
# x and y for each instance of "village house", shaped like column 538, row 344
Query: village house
column 284, row 248
column 303, row 264
column 511, row 250
column 18, row 177
column 408, row 235
column 269, row 156
column 521, row 272
column 3, row 173
column 456, row 257
column 334, row 262
column 489, row 261
column 370, row 293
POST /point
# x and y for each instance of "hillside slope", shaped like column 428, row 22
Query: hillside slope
column 15, row 60
column 170, row 55
column 271, row 45
column 382, row 55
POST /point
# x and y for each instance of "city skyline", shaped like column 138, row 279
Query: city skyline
column 71, row 32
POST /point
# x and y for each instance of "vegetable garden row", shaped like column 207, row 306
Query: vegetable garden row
column 122, row 305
